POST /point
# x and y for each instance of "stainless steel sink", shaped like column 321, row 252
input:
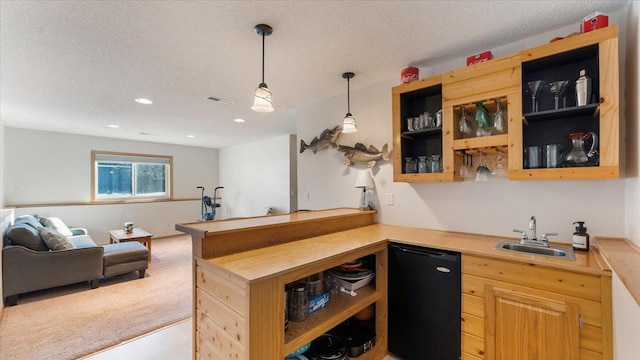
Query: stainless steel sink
column 552, row 251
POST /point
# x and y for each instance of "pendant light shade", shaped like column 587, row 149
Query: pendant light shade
column 349, row 122
column 262, row 98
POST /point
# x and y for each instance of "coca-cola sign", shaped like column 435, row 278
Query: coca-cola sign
column 479, row 58
column 409, row 74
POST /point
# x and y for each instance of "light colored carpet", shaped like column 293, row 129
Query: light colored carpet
column 72, row 321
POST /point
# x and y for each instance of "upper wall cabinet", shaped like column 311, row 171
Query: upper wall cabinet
column 570, row 127
column 547, row 130
column 479, row 102
column 420, row 136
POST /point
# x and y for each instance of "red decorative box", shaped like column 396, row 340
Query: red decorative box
column 479, row 58
column 409, row 74
column 594, row 21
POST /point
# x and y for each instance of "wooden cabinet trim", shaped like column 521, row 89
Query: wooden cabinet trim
column 571, row 43
column 489, row 67
column 530, row 275
column 417, row 85
column 224, row 291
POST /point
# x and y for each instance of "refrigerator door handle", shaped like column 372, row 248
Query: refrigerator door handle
column 424, row 252
column 443, row 269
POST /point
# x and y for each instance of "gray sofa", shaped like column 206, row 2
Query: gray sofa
column 36, row 257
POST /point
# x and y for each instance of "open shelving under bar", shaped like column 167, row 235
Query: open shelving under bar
column 340, row 308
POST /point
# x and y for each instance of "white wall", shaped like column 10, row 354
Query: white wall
column 257, row 176
column 495, row 207
column 626, row 312
column 632, row 97
column 46, row 167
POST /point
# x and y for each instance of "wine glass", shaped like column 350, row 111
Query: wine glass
column 465, row 172
column 482, row 172
column 499, row 119
column 557, row 88
column 465, row 124
column 499, row 170
column 534, row 89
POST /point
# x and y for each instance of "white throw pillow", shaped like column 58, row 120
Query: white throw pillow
column 57, row 224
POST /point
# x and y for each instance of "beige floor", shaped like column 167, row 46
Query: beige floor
column 172, row 342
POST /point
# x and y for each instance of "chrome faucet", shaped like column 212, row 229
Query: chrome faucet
column 532, row 227
column 533, row 240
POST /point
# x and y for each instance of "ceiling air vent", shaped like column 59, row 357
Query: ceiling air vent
column 222, row 101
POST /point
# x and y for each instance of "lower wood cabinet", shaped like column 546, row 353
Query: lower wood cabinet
column 522, row 326
column 521, row 311
column 244, row 320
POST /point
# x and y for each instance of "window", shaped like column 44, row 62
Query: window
column 120, row 176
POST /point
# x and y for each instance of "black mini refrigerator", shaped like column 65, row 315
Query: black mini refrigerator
column 424, row 303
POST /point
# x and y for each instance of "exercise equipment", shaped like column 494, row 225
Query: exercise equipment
column 209, row 205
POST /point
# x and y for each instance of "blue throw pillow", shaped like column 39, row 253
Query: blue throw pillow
column 27, row 236
column 28, row 220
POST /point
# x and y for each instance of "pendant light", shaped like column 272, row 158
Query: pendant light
column 262, row 99
column 348, row 123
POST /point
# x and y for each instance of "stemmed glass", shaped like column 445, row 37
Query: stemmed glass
column 482, row 172
column 499, row 119
column 466, row 170
column 500, row 169
column 465, row 124
column 534, row 89
column 557, row 88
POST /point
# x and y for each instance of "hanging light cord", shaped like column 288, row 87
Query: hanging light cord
column 263, row 57
column 348, row 98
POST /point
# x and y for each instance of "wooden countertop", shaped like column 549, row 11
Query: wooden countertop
column 263, row 263
column 624, row 258
column 202, row 228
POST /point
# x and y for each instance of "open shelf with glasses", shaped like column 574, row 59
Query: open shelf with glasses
column 571, row 111
column 420, row 134
column 552, row 116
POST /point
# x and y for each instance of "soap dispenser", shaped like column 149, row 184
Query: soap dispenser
column 580, row 237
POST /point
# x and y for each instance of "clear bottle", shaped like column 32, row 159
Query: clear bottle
column 298, row 310
column 580, row 237
column 422, row 164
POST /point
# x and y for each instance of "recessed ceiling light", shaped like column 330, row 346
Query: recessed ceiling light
column 113, row 126
column 238, row 120
column 144, row 101
column 191, row 136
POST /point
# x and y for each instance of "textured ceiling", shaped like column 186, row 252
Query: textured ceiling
column 76, row 66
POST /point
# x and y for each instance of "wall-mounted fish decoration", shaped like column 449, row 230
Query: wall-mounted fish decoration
column 360, row 153
column 327, row 138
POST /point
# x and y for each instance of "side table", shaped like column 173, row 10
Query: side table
column 138, row 234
